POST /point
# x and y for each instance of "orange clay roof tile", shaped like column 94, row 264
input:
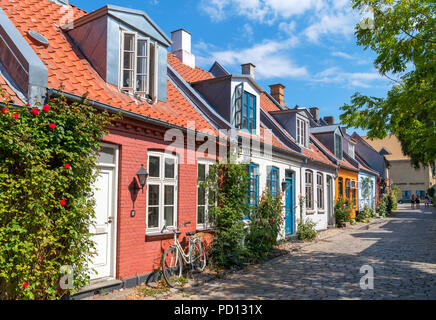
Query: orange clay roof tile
column 67, row 67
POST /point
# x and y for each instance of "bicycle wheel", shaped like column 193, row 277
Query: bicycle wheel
column 198, row 256
column 172, row 266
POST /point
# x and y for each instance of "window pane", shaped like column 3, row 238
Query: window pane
column 238, row 120
column 127, row 79
column 107, row 155
column 200, row 214
column 141, row 65
column 169, row 195
column 169, row 215
column 238, row 105
column 201, row 172
column 169, row 168
column 141, row 83
column 142, row 48
column 129, row 44
column 153, row 195
column 153, row 217
column 128, row 60
column 201, row 196
column 154, row 164
column 244, row 123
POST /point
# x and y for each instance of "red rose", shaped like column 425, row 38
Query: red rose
column 4, row 110
column 15, row 115
column 25, row 285
column 75, row 110
column 35, row 111
column 63, row 203
column 28, row 104
column 67, row 166
column 51, row 99
column 45, row 108
column 52, row 126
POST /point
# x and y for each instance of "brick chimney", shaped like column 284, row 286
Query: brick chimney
column 278, row 93
column 248, row 69
column 315, row 113
column 330, row 120
column 181, row 47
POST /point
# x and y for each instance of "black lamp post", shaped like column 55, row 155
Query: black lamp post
column 142, row 175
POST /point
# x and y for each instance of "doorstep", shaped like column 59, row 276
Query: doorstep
column 98, row 286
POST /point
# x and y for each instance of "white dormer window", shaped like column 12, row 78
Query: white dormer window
column 351, row 150
column 138, row 65
column 302, row 132
column 338, row 146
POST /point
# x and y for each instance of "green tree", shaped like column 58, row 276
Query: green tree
column 403, row 36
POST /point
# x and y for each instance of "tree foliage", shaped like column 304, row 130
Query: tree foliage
column 48, row 159
column 403, row 37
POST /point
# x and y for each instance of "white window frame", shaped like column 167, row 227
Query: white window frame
column 162, row 182
column 133, row 90
column 320, row 191
column 310, row 184
column 206, row 225
column 302, row 132
column 351, row 150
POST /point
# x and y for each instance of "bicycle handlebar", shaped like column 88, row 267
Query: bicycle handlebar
column 174, row 229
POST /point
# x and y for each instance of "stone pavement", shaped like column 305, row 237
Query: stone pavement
column 400, row 249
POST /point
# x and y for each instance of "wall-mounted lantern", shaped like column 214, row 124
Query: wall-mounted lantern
column 142, row 175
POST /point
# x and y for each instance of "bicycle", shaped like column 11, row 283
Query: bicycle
column 174, row 257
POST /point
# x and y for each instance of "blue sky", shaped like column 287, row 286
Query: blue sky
column 307, row 45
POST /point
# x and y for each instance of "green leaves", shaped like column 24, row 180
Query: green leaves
column 37, row 234
column 404, row 39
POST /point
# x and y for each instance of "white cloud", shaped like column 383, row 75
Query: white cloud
column 338, row 23
column 342, row 55
column 288, row 28
column 271, row 58
column 336, row 76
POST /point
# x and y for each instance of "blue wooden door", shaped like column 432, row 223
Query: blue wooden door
column 289, row 206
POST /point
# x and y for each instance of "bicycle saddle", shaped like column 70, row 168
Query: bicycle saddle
column 190, row 233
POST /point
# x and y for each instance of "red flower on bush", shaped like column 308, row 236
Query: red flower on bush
column 75, row 110
column 67, row 166
column 4, row 110
column 35, row 111
column 45, row 108
column 25, row 285
column 63, row 203
column 28, row 104
column 15, row 115
column 52, row 126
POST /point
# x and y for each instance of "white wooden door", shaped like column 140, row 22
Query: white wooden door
column 103, row 229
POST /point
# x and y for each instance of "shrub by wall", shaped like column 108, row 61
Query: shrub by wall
column 342, row 212
column 48, row 163
column 266, row 224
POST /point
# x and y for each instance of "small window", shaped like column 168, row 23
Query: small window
column 348, row 189
column 272, row 180
column 309, row 190
column 206, row 199
column 245, row 107
column 302, row 132
column 340, row 187
column 354, row 193
column 320, row 191
column 138, row 65
column 162, row 191
column 351, row 150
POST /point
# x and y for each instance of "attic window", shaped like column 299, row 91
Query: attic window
column 351, row 150
column 138, row 65
column 245, row 109
column 338, row 146
column 302, row 132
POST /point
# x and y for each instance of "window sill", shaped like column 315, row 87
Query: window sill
column 158, row 233
column 321, row 211
column 310, row 211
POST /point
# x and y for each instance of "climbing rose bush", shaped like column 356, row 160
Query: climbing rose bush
column 48, row 162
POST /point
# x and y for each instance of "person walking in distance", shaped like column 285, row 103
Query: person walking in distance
column 417, row 201
column 412, row 201
column 427, row 200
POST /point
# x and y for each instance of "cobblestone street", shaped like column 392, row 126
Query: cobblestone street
column 401, row 249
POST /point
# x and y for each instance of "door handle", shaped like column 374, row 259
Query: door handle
column 109, row 220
